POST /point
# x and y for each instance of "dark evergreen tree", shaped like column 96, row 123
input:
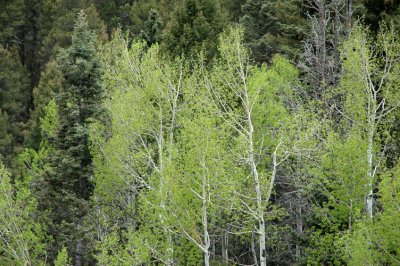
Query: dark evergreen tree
column 145, row 14
column 47, row 89
column 273, row 26
column 11, row 21
column 115, row 13
column 57, row 23
column 234, row 8
column 31, row 42
column 194, row 26
column 14, row 102
column 68, row 183
column 151, row 31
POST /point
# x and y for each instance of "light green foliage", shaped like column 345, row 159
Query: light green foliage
column 20, row 235
column 62, row 258
column 32, row 165
column 368, row 73
column 172, row 186
column 352, row 163
column 207, row 176
column 375, row 243
column 340, row 181
column 135, row 163
column 255, row 102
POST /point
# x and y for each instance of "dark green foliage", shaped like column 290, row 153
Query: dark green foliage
column 273, row 26
column 376, row 10
column 14, row 102
column 151, row 32
column 49, row 86
column 57, row 24
column 234, row 8
column 12, row 22
column 115, row 13
column 140, row 10
column 31, row 41
column 194, row 27
column 67, row 183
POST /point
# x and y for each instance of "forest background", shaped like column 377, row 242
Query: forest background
column 199, row 132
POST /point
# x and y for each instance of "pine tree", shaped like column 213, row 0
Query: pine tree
column 57, row 23
column 194, row 27
column 49, row 85
column 151, row 31
column 273, row 26
column 68, row 180
column 12, row 21
column 14, row 99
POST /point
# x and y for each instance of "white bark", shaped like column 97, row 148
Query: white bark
column 370, row 177
column 206, row 237
column 254, row 172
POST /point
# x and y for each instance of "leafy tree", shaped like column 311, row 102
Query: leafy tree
column 21, row 237
column 353, row 166
column 250, row 100
column 62, row 258
column 135, row 162
column 206, row 174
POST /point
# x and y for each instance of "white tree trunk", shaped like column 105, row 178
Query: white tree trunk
column 259, row 205
column 206, row 237
column 370, row 196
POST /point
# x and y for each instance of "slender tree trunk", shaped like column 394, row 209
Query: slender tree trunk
column 225, row 244
column 370, row 196
column 322, row 41
column 79, row 246
column 299, row 226
column 336, row 43
column 169, row 251
column 349, row 16
column 259, row 205
column 253, row 247
column 206, row 236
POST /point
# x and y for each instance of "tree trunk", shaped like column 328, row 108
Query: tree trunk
column 253, row 248
column 224, row 240
column 299, row 226
column 206, row 237
column 260, row 208
column 79, row 246
column 370, row 196
column 322, row 42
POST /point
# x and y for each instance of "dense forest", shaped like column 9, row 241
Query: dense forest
column 199, row 132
